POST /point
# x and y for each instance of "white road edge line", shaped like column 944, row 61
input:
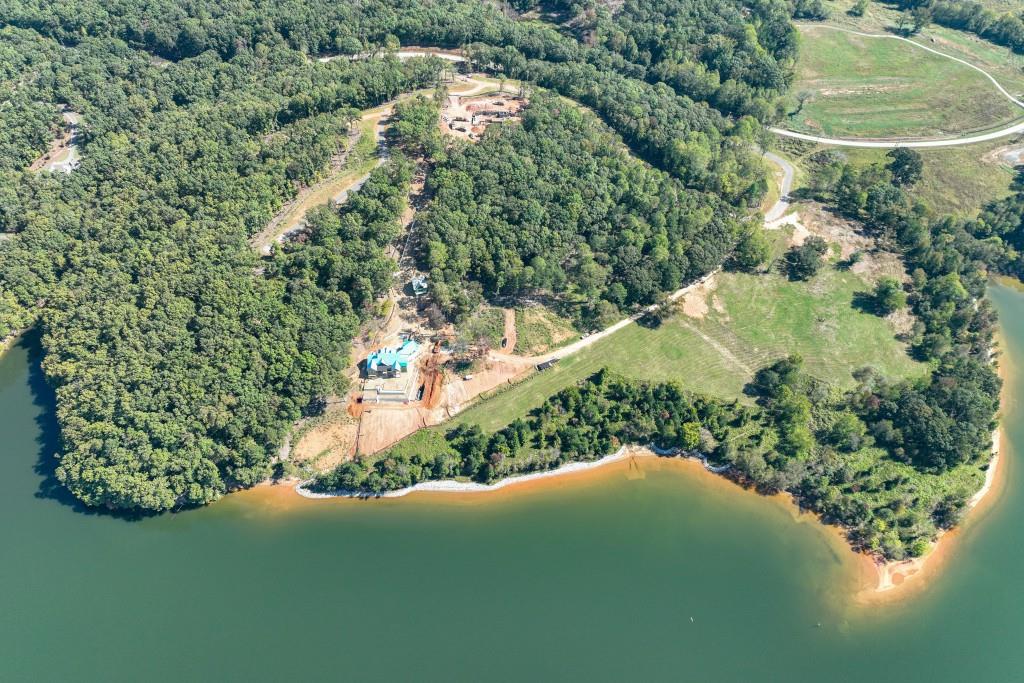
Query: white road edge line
column 892, row 144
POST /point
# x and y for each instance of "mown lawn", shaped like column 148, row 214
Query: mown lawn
column 870, row 87
column 752, row 320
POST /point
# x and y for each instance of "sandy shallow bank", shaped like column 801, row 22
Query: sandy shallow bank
column 886, row 581
column 880, row 581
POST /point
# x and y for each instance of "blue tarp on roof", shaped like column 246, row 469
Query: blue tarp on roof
column 393, row 357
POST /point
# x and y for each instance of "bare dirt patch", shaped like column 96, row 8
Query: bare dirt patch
column 63, row 154
column 813, row 219
column 800, row 231
column 495, row 371
column 694, row 303
column 834, row 230
column 468, row 116
column 1008, row 155
column 330, row 442
column 384, row 426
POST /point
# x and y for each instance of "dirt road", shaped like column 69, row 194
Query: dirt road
column 510, row 330
column 782, row 205
column 591, row 339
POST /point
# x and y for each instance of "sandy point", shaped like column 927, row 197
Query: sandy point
column 888, row 581
column 891, row 581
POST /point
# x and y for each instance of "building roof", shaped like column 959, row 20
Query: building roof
column 393, row 356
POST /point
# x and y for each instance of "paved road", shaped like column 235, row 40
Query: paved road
column 892, row 144
column 780, row 207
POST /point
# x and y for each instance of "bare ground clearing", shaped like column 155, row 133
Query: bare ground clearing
column 467, row 117
column 63, row 155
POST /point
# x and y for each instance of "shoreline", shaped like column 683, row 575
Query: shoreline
column 875, row 582
column 892, row 580
column 879, row 581
column 453, row 486
column 8, row 342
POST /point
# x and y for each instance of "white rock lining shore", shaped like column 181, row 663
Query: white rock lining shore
column 452, row 486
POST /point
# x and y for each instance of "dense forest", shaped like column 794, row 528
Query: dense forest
column 177, row 370
column 555, row 207
column 702, row 49
column 180, row 358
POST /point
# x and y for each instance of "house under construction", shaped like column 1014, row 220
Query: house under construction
column 392, row 375
column 391, row 361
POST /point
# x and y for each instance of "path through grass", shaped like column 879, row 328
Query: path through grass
column 752, row 320
column 881, row 88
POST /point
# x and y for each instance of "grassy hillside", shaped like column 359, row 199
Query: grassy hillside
column 868, row 87
column 751, row 321
column 1003, row 63
column 956, row 179
column 959, row 180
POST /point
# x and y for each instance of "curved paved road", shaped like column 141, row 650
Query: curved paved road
column 891, row 144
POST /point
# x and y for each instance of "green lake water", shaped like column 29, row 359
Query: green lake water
column 667, row 577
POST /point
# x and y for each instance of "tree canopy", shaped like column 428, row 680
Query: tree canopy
column 178, row 356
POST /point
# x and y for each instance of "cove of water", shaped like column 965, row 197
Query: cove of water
column 643, row 572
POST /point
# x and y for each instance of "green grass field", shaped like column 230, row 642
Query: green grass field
column 1001, row 62
column 959, row 180
column 865, row 87
column 758, row 319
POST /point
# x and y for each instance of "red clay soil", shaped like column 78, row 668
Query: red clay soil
column 433, row 381
column 355, row 407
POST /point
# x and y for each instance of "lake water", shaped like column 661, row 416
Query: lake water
column 646, row 570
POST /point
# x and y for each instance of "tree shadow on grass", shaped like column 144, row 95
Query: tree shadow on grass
column 865, row 302
column 48, row 441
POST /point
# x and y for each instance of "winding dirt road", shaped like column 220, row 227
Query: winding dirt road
column 892, row 144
